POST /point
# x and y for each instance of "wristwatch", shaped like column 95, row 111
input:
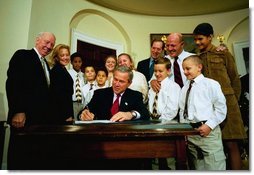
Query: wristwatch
column 134, row 114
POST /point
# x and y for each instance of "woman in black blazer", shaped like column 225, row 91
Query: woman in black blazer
column 61, row 86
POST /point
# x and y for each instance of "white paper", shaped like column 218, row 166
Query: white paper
column 93, row 121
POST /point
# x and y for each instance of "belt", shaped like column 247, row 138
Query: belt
column 198, row 124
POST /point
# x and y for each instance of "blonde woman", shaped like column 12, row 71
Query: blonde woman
column 139, row 82
column 110, row 64
column 61, row 86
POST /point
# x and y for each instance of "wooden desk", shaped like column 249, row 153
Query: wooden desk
column 74, row 146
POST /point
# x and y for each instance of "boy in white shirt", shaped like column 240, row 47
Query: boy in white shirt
column 78, row 80
column 168, row 96
column 204, row 108
column 90, row 85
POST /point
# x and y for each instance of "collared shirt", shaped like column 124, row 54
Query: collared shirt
column 206, row 102
column 74, row 74
column 87, row 92
column 39, row 55
column 168, row 98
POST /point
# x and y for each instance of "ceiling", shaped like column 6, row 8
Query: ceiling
column 173, row 7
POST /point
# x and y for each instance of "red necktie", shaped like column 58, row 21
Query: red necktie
column 115, row 106
column 177, row 73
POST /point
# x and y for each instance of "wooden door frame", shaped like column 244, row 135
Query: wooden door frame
column 76, row 35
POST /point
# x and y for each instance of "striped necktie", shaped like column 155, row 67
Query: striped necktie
column 155, row 107
column 78, row 90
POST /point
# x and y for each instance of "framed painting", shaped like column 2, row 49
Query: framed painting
column 189, row 44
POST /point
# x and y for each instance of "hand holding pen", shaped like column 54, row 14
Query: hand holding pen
column 86, row 114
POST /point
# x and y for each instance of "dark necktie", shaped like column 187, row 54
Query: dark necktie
column 78, row 90
column 155, row 107
column 185, row 112
column 177, row 73
column 151, row 69
column 91, row 86
column 115, row 106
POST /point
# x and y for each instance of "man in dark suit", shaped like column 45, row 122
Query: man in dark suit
column 130, row 102
column 146, row 66
column 27, row 85
column 27, row 89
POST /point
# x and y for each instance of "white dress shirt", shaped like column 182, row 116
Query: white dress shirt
column 206, row 102
column 74, row 74
column 168, row 99
column 87, row 92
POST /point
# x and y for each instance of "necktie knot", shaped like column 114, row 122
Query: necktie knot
column 91, row 86
column 191, row 82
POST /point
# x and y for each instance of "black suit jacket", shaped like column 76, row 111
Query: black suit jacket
column 61, row 90
column 102, row 101
column 143, row 67
column 26, row 87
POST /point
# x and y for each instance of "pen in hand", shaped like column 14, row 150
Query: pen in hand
column 86, row 114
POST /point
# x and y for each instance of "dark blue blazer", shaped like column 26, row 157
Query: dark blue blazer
column 26, row 87
column 143, row 67
column 102, row 100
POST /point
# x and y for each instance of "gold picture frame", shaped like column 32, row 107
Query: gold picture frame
column 189, row 44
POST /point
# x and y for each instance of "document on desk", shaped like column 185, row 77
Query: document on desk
column 93, row 121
